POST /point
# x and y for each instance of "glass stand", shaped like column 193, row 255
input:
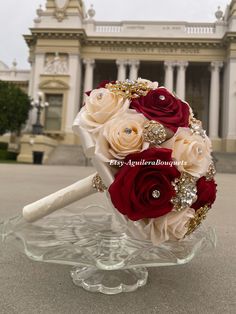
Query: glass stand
column 109, row 282
column 104, row 257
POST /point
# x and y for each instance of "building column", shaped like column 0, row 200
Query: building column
column 88, row 77
column 181, row 76
column 73, row 97
column 169, row 74
column 214, row 106
column 134, row 67
column 121, row 64
column 229, row 108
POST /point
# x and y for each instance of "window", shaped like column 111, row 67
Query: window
column 53, row 113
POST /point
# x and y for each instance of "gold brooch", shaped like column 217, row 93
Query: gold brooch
column 98, row 184
column 129, row 89
column 154, row 133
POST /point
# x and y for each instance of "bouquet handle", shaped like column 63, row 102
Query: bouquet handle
column 59, row 199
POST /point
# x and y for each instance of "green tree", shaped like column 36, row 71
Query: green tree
column 14, row 107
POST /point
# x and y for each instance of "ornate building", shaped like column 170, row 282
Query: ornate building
column 70, row 52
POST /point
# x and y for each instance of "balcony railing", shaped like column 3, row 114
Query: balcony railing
column 109, row 28
column 173, row 29
column 200, row 29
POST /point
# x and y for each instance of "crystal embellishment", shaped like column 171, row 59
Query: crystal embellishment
column 196, row 127
column 211, row 172
column 128, row 130
column 154, row 133
column 162, row 97
column 156, row 194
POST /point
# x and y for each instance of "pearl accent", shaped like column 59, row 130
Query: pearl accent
column 162, row 97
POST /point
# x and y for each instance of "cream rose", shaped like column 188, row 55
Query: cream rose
column 172, row 226
column 191, row 151
column 121, row 136
column 150, row 84
column 100, row 106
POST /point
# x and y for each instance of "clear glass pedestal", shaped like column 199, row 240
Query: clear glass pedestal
column 104, row 257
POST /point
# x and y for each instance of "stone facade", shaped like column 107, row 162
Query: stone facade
column 70, row 52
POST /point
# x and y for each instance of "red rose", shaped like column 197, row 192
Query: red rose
column 135, row 189
column 162, row 106
column 206, row 193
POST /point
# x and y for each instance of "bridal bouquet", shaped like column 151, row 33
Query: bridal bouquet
column 158, row 155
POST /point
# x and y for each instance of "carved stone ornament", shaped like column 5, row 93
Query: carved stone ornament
column 60, row 12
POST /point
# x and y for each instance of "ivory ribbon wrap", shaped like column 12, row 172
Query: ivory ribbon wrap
column 85, row 138
column 59, row 199
column 74, row 192
column 103, row 169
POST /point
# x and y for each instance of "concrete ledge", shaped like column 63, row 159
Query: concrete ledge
column 5, row 138
column 31, row 143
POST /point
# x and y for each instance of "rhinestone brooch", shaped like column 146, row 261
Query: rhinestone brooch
column 211, row 172
column 186, row 192
column 154, row 133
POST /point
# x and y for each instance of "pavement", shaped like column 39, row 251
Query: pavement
column 206, row 285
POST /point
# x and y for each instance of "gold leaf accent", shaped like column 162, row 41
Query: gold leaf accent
column 199, row 216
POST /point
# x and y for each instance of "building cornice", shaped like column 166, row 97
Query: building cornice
column 229, row 37
column 80, row 35
column 74, row 34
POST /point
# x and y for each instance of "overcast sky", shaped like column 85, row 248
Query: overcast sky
column 16, row 16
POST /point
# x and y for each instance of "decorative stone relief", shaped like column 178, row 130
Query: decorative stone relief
column 56, row 64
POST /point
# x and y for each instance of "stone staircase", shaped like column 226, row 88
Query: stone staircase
column 69, row 155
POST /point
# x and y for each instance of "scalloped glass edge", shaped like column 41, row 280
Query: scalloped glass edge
column 86, row 237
